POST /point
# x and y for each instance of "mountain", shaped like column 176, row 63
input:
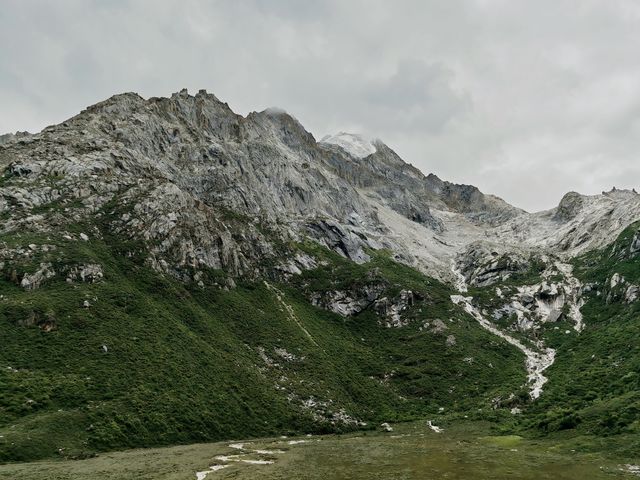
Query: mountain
column 172, row 272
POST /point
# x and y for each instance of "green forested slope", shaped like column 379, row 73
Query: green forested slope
column 594, row 385
column 149, row 360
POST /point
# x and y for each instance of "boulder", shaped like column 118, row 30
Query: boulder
column 34, row 280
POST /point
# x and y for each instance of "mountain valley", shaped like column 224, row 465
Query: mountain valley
column 172, row 272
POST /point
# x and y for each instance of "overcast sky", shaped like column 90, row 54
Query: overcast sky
column 524, row 99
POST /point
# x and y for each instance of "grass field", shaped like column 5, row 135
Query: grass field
column 411, row 451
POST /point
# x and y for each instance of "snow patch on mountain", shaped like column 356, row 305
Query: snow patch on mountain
column 356, row 145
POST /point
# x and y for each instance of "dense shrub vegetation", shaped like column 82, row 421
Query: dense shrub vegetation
column 140, row 359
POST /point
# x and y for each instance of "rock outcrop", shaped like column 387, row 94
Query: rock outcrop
column 33, row 281
column 569, row 207
column 634, row 248
column 484, row 264
column 348, row 303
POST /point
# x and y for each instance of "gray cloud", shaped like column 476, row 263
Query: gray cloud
column 526, row 100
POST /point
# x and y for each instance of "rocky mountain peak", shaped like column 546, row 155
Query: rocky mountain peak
column 284, row 126
column 180, row 164
column 621, row 193
column 569, row 206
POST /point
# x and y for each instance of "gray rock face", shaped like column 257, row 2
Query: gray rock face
column 9, row 137
column 90, row 273
column 467, row 199
column 384, row 175
column 632, row 293
column 579, row 224
column 176, row 167
column 202, row 187
column 406, row 190
column 338, row 238
column 34, row 280
column 557, row 295
column 349, row 303
column 569, row 207
column 295, row 265
column 634, row 248
column 619, row 289
column 437, row 326
column 392, row 310
column 483, row 265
